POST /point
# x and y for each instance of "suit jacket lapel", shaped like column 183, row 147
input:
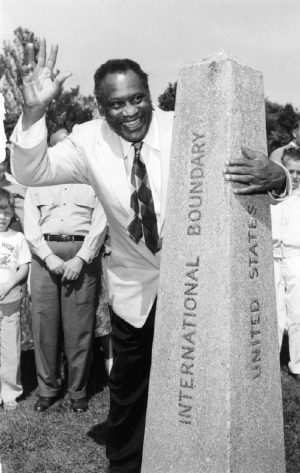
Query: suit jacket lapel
column 113, row 166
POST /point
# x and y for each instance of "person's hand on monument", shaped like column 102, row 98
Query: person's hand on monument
column 73, row 268
column 256, row 173
column 39, row 85
column 55, row 264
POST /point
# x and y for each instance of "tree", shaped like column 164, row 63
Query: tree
column 280, row 119
column 68, row 108
column 14, row 54
column 166, row 101
column 280, row 123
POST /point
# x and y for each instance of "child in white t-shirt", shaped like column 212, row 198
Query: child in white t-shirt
column 14, row 266
column 286, row 252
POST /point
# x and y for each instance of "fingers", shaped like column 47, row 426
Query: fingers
column 69, row 276
column 58, row 270
column 250, row 154
column 243, row 179
column 52, row 57
column 30, row 56
column 60, row 79
column 42, row 60
column 236, row 169
column 251, row 189
column 42, row 53
column 241, row 162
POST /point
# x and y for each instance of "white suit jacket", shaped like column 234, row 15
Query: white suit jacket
column 93, row 155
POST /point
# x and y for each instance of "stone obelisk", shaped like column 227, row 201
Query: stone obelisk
column 215, row 394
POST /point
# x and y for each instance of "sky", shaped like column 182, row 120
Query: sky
column 166, row 35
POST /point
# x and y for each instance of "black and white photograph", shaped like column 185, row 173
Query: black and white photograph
column 149, row 236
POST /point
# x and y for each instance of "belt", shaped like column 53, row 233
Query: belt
column 50, row 237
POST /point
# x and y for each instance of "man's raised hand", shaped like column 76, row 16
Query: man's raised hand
column 39, row 86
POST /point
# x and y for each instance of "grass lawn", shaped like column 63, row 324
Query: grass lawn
column 60, row 441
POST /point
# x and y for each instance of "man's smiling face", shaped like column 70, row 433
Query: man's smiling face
column 126, row 105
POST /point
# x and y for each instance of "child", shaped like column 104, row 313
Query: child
column 14, row 265
column 286, row 252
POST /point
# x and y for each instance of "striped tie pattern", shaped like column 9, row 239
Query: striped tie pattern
column 142, row 214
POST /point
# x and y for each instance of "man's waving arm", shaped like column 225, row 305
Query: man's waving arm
column 32, row 163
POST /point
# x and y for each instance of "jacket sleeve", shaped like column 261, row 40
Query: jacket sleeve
column 34, row 164
column 95, row 238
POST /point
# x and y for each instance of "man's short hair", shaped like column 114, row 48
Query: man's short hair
column 6, row 200
column 290, row 153
column 113, row 66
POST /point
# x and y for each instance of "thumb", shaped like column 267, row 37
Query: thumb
column 60, row 79
column 251, row 154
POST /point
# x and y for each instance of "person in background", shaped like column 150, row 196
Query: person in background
column 286, row 252
column 103, row 325
column 14, row 266
column 65, row 226
column 8, row 182
column 277, row 154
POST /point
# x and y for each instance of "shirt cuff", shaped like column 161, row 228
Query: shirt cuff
column 86, row 255
column 30, row 137
column 288, row 188
column 43, row 252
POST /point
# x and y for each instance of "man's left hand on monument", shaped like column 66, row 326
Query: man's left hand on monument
column 256, row 174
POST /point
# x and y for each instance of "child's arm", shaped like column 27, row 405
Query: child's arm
column 19, row 277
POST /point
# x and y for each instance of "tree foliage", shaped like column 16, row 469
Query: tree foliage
column 280, row 119
column 67, row 109
column 166, row 100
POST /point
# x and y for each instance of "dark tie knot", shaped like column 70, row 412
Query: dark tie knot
column 137, row 146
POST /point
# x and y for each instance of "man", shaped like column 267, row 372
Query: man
column 65, row 227
column 277, row 154
column 125, row 156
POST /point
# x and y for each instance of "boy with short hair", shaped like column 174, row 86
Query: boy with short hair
column 14, row 266
column 286, row 252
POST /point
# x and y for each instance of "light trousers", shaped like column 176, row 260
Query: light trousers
column 63, row 310
column 10, row 352
column 287, row 285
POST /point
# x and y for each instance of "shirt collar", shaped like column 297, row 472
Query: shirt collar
column 151, row 139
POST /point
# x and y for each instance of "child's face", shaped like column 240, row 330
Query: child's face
column 6, row 216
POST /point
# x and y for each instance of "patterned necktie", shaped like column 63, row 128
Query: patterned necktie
column 142, row 214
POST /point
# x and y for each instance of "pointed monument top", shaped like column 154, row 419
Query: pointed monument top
column 218, row 56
